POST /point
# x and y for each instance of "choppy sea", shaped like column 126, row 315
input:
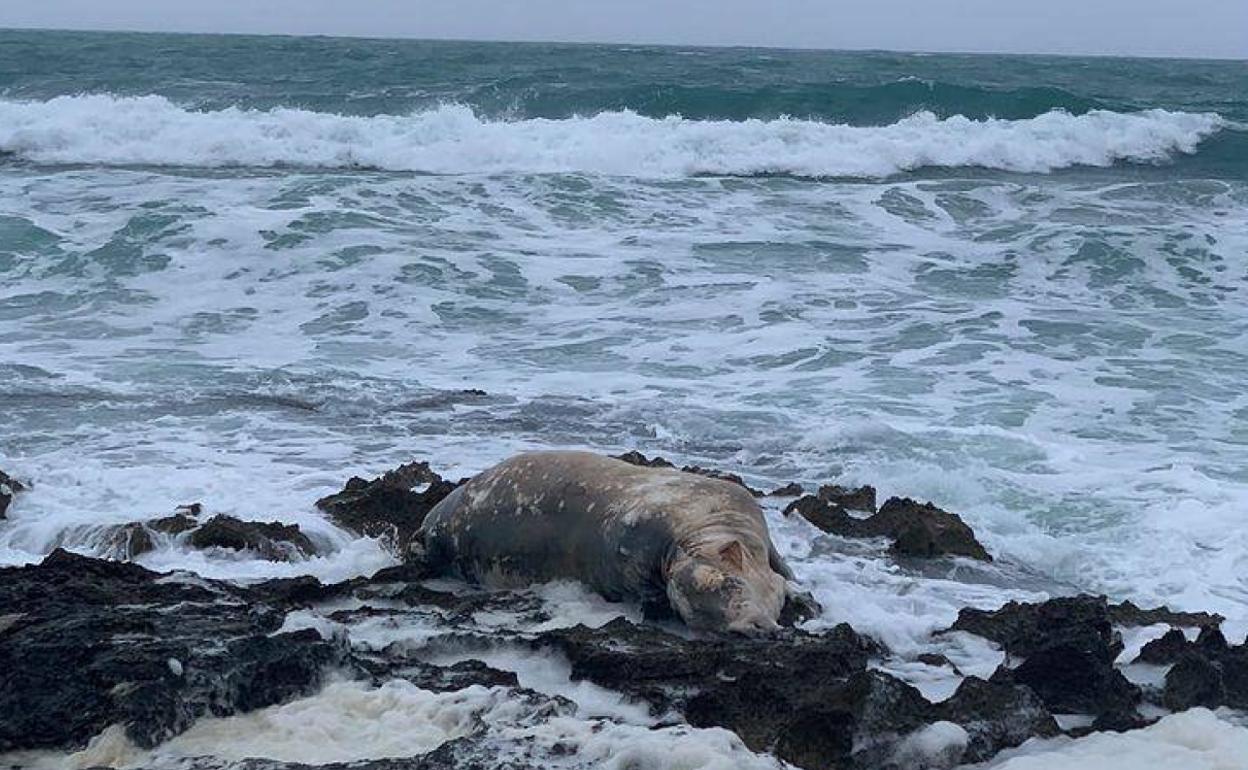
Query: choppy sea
column 238, row 270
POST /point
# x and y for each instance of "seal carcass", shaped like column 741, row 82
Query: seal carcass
column 669, row 539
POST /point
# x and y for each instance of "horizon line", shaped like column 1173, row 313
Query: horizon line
column 717, row 46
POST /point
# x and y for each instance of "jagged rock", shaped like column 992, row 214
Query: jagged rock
column 633, row 457
column 1166, row 649
column 98, row 643
column 1069, row 645
column 177, row 523
column 1206, row 672
column 129, row 540
column 996, row 715
column 722, row 476
column 1024, row 629
column 1194, row 681
column 854, row 499
column 809, row 699
column 1076, row 680
column 921, row 530
column 395, row 663
column 271, row 540
column 659, row 668
column 9, row 488
column 1128, row 614
column 792, row 489
column 389, row 506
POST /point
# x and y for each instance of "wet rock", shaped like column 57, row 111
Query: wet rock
column 722, row 476
column 1206, row 672
column 853, row 499
column 633, row 457
column 1024, row 629
column 100, row 643
column 936, row 659
column 270, row 540
column 922, row 529
column 394, row 662
column 792, row 489
column 1167, row 649
column 919, row 530
column 1068, row 645
column 1194, row 681
column 129, row 541
column 392, row 506
column 1128, row 614
column 809, row 699
column 661, row 669
column 996, row 715
column 1072, row 679
column 177, row 523
column 9, row 488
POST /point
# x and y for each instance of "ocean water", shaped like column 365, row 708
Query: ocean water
column 239, row 270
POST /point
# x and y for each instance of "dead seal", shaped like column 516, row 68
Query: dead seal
column 669, row 539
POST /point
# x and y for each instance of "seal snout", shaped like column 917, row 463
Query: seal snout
column 756, row 625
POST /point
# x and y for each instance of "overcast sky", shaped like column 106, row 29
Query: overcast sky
column 1200, row 28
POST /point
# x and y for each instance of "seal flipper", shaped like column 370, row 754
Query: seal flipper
column 799, row 606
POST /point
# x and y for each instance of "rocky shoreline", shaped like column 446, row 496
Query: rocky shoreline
column 89, row 644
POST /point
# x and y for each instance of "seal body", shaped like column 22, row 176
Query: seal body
column 697, row 545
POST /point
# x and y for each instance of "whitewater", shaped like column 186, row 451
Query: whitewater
column 1013, row 287
column 102, row 129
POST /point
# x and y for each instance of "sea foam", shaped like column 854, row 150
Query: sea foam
column 451, row 139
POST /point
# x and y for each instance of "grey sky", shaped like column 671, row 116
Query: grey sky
column 1202, row 28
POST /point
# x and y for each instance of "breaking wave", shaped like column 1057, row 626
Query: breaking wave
column 452, row 139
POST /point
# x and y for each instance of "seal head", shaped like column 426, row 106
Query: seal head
column 725, row 592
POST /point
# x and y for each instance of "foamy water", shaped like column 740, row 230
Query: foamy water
column 451, row 139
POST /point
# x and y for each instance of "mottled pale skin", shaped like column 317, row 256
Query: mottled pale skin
column 657, row 535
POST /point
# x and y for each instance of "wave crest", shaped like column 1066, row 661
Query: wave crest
column 452, row 139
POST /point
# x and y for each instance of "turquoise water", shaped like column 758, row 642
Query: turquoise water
column 240, row 269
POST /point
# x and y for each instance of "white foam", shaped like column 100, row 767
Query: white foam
column 938, row 745
column 150, row 130
column 548, row 672
column 351, row 721
column 1193, row 740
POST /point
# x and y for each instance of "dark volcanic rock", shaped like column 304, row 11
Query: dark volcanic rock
column 1128, row 614
column 271, row 540
column 996, row 715
column 389, row 506
column 921, row 530
column 92, row 643
column 9, row 487
column 722, row 476
column 854, row 499
column 1073, row 679
column 129, row 540
column 809, row 699
column 1207, row 672
column 792, row 489
column 1194, row 681
column 1069, row 646
column 176, row 524
column 1167, row 649
column 1024, row 629
column 634, row 457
